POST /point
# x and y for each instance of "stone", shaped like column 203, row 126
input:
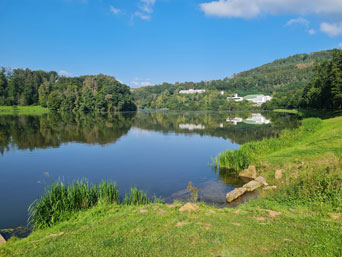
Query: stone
column 262, row 180
column 251, row 172
column 270, row 187
column 189, row 207
column 278, row 174
column 182, row 223
column 236, row 193
column 2, row 240
column 252, row 185
column 143, row 211
column 273, row 214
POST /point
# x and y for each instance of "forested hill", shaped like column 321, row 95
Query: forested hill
column 98, row 93
column 288, row 75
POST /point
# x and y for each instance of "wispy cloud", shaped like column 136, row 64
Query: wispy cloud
column 114, row 10
column 340, row 45
column 332, row 29
column 145, row 9
column 252, row 8
column 300, row 21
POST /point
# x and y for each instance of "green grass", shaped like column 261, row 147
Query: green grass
column 29, row 110
column 294, row 111
column 306, row 218
column 249, row 152
column 114, row 230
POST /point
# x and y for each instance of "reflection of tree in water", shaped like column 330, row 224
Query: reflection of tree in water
column 51, row 130
column 215, row 124
column 30, row 132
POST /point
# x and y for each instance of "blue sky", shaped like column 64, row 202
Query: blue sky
column 142, row 42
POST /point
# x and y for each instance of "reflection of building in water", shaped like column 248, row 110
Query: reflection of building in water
column 256, row 118
column 191, row 126
column 234, row 121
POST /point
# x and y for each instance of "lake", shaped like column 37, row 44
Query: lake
column 159, row 152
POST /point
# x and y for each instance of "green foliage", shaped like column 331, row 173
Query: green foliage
column 135, row 197
column 317, row 186
column 247, row 153
column 98, row 93
column 323, row 91
column 62, row 199
column 284, row 78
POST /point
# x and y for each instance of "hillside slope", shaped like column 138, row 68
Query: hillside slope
column 289, row 74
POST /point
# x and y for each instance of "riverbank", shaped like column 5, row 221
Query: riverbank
column 23, row 110
column 302, row 217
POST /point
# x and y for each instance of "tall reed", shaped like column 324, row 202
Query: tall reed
column 135, row 197
column 62, row 199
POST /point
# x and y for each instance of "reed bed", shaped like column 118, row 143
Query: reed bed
column 247, row 153
column 62, row 199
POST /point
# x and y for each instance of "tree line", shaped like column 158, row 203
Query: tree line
column 99, row 93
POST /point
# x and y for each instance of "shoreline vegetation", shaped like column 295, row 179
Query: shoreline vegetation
column 23, row 110
column 302, row 217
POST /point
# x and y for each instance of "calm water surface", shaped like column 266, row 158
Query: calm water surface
column 159, row 152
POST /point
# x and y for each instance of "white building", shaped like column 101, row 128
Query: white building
column 235, row 98
column 258, row 99
column 192, row 91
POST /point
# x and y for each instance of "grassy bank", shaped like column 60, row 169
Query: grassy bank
column 302, row 217
column 30, row 110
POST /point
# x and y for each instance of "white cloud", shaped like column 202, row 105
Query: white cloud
column 300, row 21
column 332, row 29
column 251, row 8
column 140, row 82
column 114, row 10
column 312, row 31
column 340, row 45
column 145, row 9
column 64, row 73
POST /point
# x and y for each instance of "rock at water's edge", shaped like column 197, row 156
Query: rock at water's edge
column 251, row 172
column 262, row 180
column 236, row 193
column 252, row 185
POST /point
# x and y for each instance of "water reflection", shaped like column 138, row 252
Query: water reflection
column 52, row 130
column 159, row 152
column 255, row 118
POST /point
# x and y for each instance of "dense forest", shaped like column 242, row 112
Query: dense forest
column 284, row 78
column 322, row 91
column 98, row 93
